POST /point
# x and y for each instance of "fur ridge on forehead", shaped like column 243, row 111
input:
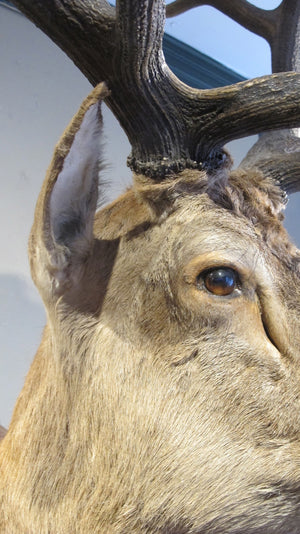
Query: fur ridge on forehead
column 240, row 191
column 244, row 193
column 247, row 194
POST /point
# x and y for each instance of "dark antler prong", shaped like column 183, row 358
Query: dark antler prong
column 170, row 126
column 277, row 155
column 260, row 21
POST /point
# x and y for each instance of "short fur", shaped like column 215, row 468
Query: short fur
column 152, row 405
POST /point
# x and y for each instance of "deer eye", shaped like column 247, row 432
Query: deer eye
column 221, row 281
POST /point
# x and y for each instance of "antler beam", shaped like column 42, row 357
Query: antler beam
column 169, row 125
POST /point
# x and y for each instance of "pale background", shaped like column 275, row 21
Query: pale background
column 40, row 90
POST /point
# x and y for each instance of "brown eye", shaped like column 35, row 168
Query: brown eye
column 221, row 281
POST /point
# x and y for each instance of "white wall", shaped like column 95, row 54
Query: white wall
column 40, row 89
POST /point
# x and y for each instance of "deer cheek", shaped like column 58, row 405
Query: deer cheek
column 233, row 319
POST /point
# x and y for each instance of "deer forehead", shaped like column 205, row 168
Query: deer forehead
column 196, row 226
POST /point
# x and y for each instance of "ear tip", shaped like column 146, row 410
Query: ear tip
column 95, row 97
column 100, row 92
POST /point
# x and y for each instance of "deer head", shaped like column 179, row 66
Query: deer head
column 165, row 395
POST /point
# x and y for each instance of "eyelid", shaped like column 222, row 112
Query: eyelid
column 206, row 272
column 219, row 267
column 210, row 261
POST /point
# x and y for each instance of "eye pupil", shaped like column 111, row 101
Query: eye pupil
column 221, row 281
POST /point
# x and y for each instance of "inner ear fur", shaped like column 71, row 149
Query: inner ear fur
column 62, row 232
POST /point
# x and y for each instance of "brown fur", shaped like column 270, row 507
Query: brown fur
column 153, row 406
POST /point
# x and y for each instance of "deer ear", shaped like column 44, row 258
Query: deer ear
column 74, row 195
column 62, row 234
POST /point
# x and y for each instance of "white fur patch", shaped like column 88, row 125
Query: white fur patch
column 75, row 181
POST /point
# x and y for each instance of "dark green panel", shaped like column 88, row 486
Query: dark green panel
column 196, row 69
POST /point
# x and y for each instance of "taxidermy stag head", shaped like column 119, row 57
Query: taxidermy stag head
column 165, row 395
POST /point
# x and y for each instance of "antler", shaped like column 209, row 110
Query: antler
column 170, row 126
column 251, row 17
column 278, row 26
column 276, row 153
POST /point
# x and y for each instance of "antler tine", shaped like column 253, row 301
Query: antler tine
column 253, row 18
column 141, row 82
column 279, row 26
column 277, row 154
column 285, row 40
column 140, row 29
column 170, row 126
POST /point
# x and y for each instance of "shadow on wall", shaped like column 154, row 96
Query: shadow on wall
column 22, row 319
